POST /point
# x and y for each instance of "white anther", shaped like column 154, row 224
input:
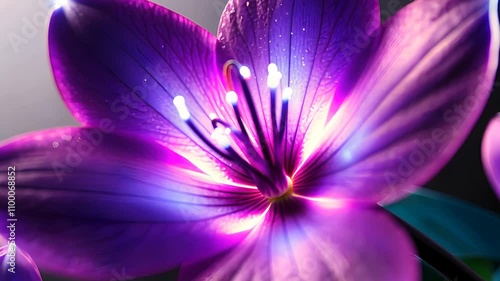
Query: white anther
column 272, row 68
column 232, row 97
column 180, row 104
column 245, row 72
column 273, row 80
column 220, row 136
column 212, row 116
column 274, row 77
column 287, row 94
column 60, row 3
column 216, row 133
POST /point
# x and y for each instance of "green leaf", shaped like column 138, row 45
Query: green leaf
column 461, row 228
column 485, row 268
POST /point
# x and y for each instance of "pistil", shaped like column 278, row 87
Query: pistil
column 287, row 194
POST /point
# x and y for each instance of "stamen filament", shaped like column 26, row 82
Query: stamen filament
column 255, row 119
column 244, row 74
column 232, row 98
column 245, row 143
column 226, row 72
column 180, row 105
column 273, row 114
column 217, row 121
column 205, row 140
column 242, row 161
column 273, row 81
column 264, row 165
column 257, row 175
column 287, row 94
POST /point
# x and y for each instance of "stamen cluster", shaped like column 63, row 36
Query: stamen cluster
column 261, row 158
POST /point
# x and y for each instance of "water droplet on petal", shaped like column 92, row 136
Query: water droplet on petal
column 66, row 137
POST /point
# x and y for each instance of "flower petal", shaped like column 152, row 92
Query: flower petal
column 491, row 153
column 295, row 242
column 411, row 100
column 90, row 204
column 16, row 265
column 125, row 61
column 309, row 41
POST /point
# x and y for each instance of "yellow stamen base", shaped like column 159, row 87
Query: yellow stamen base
column 288, row 193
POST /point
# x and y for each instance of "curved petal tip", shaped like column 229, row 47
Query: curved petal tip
column 491, row 153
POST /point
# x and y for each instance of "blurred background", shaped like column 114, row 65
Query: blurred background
column 30, row 101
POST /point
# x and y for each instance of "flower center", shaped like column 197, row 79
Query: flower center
column 261, row 158
column 287, row 194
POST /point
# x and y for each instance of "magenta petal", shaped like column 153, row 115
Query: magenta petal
column 491, row 153
column 413, row 98
column 124, row 62
column 91, row 204
column 295, row 243
column 16, row 265
column 311, row 42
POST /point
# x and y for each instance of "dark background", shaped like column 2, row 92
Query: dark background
column 463, row 177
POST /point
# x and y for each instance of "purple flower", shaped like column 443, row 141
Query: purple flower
column 260, row 155
column 491, row 153
column 16, row 265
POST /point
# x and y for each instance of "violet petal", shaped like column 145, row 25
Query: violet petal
column 90, row 204
column 309, row 41
column 125, row 61
column 491, row 153
column 413, row 97
column 309, row 243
